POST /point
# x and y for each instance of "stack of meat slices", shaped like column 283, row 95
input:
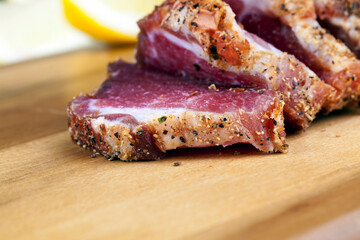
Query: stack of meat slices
column 291, row 26
column 203, row 41
column 203, row 78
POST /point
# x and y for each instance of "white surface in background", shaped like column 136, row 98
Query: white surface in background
column 36, row 28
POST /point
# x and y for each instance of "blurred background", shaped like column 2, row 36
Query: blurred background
column 31, row 29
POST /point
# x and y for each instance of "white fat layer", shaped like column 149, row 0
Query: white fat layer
column 305, row 34
column 101, row 120
column 187, row 44
column 140, row 114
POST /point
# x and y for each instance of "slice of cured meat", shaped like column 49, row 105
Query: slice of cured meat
column 291, row 26
column 342, row 18
column 201, row 39
column 139, row 114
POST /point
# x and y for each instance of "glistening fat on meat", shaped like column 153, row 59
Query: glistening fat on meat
column 291, row 26
column 201, row 39
column 140, row 114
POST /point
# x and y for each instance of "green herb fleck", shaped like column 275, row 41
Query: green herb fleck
column 162, row 119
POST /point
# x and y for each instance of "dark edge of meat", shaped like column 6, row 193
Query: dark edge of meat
column 83, row 134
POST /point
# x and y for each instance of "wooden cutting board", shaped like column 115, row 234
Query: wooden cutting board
column 51, row 189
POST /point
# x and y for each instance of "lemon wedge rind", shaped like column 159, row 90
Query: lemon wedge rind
column 101, row 21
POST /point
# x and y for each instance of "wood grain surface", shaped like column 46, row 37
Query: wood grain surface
column 51, row 189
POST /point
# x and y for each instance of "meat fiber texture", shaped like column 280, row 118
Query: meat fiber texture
column 291, row 26
column 202, row 40
column 342, row 18
column 140, row 114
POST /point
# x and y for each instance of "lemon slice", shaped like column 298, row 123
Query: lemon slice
column 112, row 21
